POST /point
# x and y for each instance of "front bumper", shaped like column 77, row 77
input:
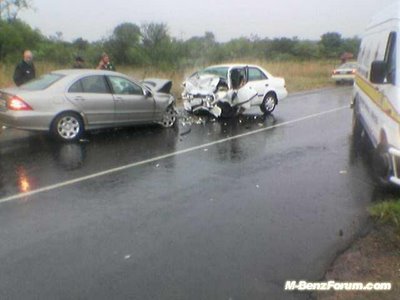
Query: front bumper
column 201, row 105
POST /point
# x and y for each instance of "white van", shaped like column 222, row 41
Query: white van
column 376, row 102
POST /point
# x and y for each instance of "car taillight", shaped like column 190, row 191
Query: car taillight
column 16, row 103
column 353, row 71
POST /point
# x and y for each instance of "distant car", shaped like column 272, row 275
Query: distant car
column 225, row 90
column 345, row 73
column 69, row 102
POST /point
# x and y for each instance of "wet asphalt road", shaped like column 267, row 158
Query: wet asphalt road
column 228, row 220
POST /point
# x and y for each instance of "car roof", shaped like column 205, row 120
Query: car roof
column 232, row 65
column 67, row 72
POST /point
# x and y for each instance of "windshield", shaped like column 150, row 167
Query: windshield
column 41, row 83
column 219, row 71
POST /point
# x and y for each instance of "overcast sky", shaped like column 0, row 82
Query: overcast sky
column 307, row 19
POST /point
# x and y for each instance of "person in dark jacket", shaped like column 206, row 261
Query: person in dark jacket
column 79, row 63
column 105, row 63
column 25, row 70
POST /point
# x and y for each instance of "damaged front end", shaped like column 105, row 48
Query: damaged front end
column 216, row 95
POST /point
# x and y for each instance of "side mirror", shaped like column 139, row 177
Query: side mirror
column 378, row 72
column 147, row 93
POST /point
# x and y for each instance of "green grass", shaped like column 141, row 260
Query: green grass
column 299, row 76
column 387, row 213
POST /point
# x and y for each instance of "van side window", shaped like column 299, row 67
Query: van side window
column 390, row 58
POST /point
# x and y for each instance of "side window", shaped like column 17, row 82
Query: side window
column 238, row 77
column 76, row 87
column 95, row 84
column 390, row 58
column 256, row 74
column 122, row 86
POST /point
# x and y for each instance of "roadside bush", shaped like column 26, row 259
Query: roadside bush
column 387, row 212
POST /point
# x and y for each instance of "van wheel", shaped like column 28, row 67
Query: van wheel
column 68, row 127
column 381, row 164
column 357, row 128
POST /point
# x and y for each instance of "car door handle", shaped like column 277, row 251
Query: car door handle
column 79, row 98
column 119, row 99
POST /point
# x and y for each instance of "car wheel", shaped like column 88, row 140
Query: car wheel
column 269, row 103
column 169, row 117
column 68, row 127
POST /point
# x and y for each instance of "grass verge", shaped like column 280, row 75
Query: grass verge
column 299, row 76
column 373, row 258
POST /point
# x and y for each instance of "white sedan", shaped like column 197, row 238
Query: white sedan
column 225, row 90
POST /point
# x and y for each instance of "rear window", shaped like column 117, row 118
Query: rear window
column 41, row 83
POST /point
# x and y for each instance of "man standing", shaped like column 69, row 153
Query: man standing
column 25, row 70
column 79, row 63
column 105, row 63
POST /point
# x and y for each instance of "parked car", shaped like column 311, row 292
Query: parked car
column 345, row 73
column 225, row 90
column 69, row 102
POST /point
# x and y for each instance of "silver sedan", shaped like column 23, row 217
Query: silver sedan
column 68, row 102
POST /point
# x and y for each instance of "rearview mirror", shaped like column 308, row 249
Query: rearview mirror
column 378, row 72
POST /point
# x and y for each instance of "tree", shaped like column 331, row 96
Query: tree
column 15, row 37
column 9, row 9
column 80, row 44
column 122, row 44
column 331, row 44
column 157, row 44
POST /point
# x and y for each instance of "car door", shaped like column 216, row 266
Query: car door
column 131, row 103
column 242, row 91
column 258, row 81
column 92, row 96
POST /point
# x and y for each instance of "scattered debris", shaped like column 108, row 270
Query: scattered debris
column 343, row 172
column 127, row 257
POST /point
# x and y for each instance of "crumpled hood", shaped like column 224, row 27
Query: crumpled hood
column 205, row 84
column 158, row 85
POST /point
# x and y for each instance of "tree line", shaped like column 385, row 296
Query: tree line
column 151, row 44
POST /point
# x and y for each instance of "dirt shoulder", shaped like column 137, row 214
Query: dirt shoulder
column 372, row 258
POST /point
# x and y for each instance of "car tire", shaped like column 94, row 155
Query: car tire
column 68, row 127
column 169, row 117
column 269, row 103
